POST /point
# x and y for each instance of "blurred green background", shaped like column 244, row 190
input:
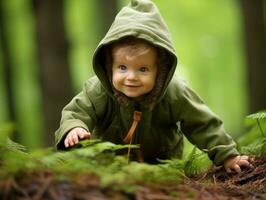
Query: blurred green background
column 210, row 38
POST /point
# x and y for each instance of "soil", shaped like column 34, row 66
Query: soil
column 216, row 184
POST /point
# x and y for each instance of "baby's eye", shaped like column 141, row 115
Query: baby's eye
column 122, row 67
column 143, row 69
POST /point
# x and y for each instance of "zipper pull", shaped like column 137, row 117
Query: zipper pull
column 131, row 132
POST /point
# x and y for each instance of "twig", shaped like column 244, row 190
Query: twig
column 44, row 187
column 53, row 194
column 11, row 183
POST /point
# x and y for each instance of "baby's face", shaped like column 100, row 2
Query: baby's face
column 134, row 74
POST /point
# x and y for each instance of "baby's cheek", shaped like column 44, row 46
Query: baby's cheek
column 116, row 82
column 151, row 84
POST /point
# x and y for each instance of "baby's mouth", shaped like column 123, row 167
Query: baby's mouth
column 132, row 86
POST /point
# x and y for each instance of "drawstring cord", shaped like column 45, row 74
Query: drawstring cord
column 130, row 135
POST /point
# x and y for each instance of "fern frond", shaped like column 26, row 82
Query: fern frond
column 14, row 146
column 8, row 127
column 13, row 161
column 95, row 157
column 259, row 115
column 257, row 148
column 135, row 172
column 48, row 158
column 173, row 163
column 197, row 163
column 105, row 146
column 5, row 131
column 86, row 143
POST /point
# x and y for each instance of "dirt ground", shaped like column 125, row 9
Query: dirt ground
column 214, row 185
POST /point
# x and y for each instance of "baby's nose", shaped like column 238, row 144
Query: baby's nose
column 132, row 76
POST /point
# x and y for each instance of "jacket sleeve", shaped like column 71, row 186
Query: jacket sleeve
column 203, row 128
column 80, row 112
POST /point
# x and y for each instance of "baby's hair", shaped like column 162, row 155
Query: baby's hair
column 133, row 45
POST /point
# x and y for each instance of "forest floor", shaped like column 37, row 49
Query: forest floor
column 214, row 185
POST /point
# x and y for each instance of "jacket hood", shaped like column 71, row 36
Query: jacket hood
column 141, row 19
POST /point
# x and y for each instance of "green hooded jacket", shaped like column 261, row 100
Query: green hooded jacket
column 178, row 110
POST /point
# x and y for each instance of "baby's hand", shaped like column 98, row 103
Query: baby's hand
column 75, row 135
column 236, row 162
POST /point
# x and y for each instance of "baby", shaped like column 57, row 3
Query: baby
column 135, row 97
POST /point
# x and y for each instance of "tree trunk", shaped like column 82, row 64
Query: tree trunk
column 255, row 52
column 8, row 71
column 107, row 13
column 55, row 79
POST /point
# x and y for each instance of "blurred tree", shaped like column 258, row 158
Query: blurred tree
column 7, row 69
column 255, row 39
column 54, row 67
column 107, row 12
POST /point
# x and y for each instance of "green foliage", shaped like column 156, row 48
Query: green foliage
column 92, row 156
column 255, row 148
column 197, row 163
column 12, row 157
column 259, row 116
column 6, row 143
column 6, row 130
column 257, row 124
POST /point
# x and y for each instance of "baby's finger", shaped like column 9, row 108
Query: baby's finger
column 66, row 143
column 237, row 168
column 81, row 135
column 84, row 135
column 87, row 135
column 69, row 139
column 245, row 163
column 70, row 142
column 75, row 139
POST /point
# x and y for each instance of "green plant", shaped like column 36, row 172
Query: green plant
column 257, row 122
column 259, row 116
column 91, row 156
column 197, row 163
